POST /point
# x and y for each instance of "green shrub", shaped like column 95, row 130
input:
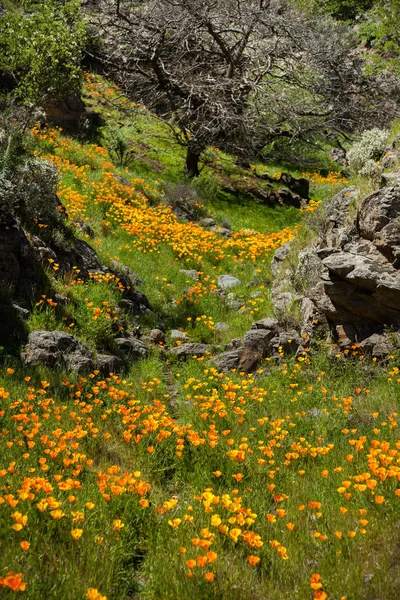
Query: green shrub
column 41, row 48
column 369, row 148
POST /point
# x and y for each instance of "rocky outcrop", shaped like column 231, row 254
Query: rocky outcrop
column 57, row 349
column 266, row 338
column 352, row 274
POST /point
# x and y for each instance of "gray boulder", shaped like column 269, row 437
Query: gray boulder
column 225, row 282
column 57, row 349
column 108, row 363
column 192, row 349
column 132, row 348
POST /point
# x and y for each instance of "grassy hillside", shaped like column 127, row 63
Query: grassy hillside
column 172, row 480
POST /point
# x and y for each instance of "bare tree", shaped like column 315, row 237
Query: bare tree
column 238, row 73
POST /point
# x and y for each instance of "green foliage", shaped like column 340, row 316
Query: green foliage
column 380, row 30
column 368, row 149
column 343, row 10
column 41, row 47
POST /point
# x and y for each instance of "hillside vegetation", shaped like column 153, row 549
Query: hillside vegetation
column 169, row 478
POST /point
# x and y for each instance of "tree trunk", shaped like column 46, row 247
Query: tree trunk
column 192, row 163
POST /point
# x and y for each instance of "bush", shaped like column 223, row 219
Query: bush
column 41, row 47
column 368, row 149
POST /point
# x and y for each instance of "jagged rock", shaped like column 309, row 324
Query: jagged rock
column 108, row 363
column 132, row 348
column 134, row 307
column 297, row 186
column 267, row 323
column 176, row 334
column 227, row 361
column 22, row 312
column 235, row 304
column 389, row 160
column 68, row 113
column 280, row 256
column 191, row 349
column 286, row 197
column 259, row 339
column 378, row 210
column 57, row 349
column 376, row 345
column 190, row 273
column 241, row 359
column 234, row 344
column 131, row 278
column 157, row 336
column 355, row 283
column 312, row 319
column 207, row 222
column 221, row 231
column 309, row 268
column 288, row 341
column 225, row 282
column 391, row 178
column 20, row 271
column 282, row 302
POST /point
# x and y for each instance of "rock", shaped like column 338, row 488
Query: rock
column 157, row 336
column 225, row 282
column 377, row 211
column 267, row 323
column 108, row 363
column 221, row 327
column 22, row 312
column 132, row 307
column 259, row 339
column 280, row 256
column 311, row 318
column 221, row 231
column 377, row 345
column 191, row 349
column 68, row 113
column 389, row 160
column 390, row 178
column 20, row 270
column 234, row 344
column 175, row 334
column 249, row 360
column 298, row 186
column 255, row 295
column 133, row 280
column 190, row 273
column 241, row 359
column 289, row 199
column 57, row 349
column 227, row 361
column 132, row 348
column 282, row 302
column 207, row 222
column 309, row 268
column 289, row 341
column 235, row 304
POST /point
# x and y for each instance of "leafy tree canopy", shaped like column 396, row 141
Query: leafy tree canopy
column 41, row 47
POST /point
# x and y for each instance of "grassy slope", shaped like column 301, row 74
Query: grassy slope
column 296, row 466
